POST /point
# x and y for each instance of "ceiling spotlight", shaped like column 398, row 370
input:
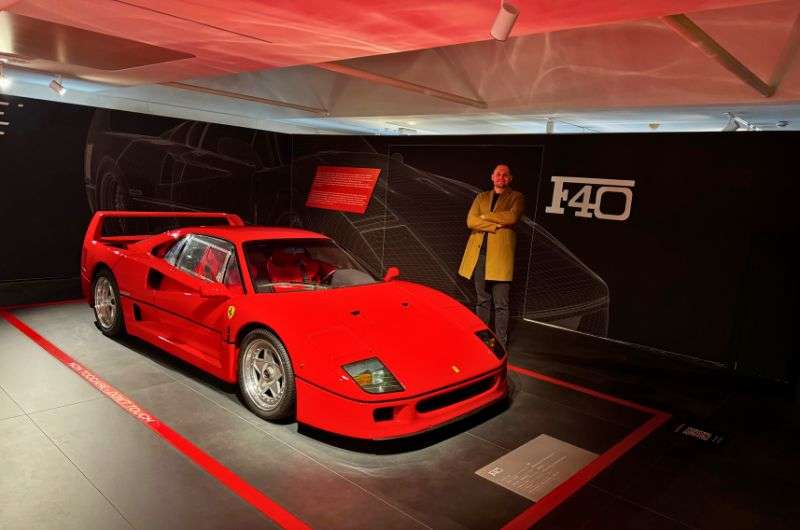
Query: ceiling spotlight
column 57, row 87
column 732, row 125
column 737, row 123
column 504, row 21
column 5, row 81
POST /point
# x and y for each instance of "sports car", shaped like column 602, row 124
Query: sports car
column 299, row 324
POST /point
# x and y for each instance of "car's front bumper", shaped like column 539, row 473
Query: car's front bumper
column 400, row 417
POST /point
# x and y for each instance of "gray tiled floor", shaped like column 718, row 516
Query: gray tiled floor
column 282, row 472
column 34, row 379
column 151, row 484
column 41, row 489
column 327, row 481
column 8, row 408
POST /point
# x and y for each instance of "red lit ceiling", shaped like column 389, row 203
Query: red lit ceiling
column 230, row 36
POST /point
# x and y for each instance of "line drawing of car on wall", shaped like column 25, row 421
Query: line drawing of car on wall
column 415, row 219
column 194, row 164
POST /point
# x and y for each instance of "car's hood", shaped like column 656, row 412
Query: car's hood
column 424, row 338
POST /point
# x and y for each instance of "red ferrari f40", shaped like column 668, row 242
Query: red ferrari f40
column 294, row 320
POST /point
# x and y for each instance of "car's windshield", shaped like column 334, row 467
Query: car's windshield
column 302, row 264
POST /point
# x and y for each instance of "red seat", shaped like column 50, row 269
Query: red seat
column 293, row 267
column 284, row 267
column 257, row 264
column 210, row 264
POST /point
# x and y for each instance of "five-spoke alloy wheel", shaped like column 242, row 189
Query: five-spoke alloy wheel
column 105, row 301
column 266, row 377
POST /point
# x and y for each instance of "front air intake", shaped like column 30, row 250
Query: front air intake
column 456, row 396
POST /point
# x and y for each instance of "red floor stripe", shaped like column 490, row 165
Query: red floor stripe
column 583, row 389
column 552, row 500
column 254, row 497
column 535, row 513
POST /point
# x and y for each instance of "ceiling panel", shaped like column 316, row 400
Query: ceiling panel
column 245, row 35
column 576, row 61
column 32, row 38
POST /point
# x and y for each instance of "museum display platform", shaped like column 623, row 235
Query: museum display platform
column 98, row 433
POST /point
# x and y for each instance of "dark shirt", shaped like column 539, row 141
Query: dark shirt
column 494, row 201
column 491, row 208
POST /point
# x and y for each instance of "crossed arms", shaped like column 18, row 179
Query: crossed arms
column 491, row 222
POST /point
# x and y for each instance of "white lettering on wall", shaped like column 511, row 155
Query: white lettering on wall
column 587, row 201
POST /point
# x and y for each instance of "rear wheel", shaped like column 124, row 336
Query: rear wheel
column 266, row 377
column 113, row 192
column 105, row 300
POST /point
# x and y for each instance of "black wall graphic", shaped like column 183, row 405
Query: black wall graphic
column 42, row 199
column 700, row 267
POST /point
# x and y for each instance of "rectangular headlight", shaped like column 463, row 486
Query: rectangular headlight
column 373, row 377
column 491, row 342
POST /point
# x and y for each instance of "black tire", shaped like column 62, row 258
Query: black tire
column 110, row 322
column 112, row 191
column 112, row 194
column 266, row 377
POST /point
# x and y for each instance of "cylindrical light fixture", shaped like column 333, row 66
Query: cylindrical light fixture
column 504, row 21
column 57, row 87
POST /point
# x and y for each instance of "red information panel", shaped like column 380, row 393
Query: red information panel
column 346, row 189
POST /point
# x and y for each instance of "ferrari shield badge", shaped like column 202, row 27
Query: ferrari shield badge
column 455, row 369
column 231, row 311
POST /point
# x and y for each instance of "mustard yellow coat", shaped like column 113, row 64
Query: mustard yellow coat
column 502, row 241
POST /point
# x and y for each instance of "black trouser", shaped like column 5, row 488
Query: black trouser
column 488, row 290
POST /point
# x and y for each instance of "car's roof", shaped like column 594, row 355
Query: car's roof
column 240, row 234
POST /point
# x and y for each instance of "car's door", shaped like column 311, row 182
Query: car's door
column 190, row 289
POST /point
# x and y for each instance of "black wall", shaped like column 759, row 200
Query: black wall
column 702, row 266
column 42, row 200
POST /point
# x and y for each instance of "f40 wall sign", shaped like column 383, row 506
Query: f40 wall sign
column 587, row 201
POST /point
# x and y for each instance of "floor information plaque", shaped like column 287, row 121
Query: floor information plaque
column 533, row 470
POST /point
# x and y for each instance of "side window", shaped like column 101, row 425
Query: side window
column 233, row 278
column 195, row 134
column 172, row 254
column 178, row 134
column 231, row 142
column 205, row 257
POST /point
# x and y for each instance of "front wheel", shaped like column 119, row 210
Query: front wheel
column 105, row 301
column 266, row 377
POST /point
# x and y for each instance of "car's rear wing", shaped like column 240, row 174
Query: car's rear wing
column 97, row 226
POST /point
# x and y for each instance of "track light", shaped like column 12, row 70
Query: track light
column 57, row 87
column 731, row 125
column 737, row 123
column 504, row 21
column 5, row 81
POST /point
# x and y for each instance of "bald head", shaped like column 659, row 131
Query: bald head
column 501, row 178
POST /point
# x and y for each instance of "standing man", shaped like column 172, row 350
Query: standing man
column 489, row 255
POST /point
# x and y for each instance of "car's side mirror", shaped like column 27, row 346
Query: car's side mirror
column 213, row 290
column 391, row 274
